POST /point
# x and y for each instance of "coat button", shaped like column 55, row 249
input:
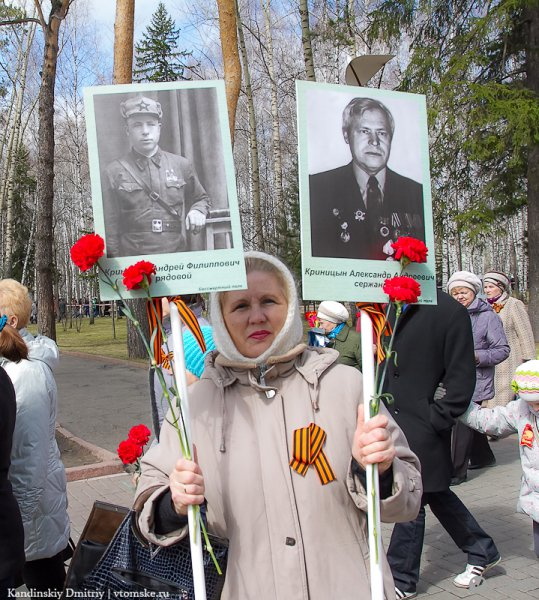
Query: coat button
column 395, row 374
column 396, row 411
column 290, row 541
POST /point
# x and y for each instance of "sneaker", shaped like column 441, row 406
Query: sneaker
column 473, row 575
column 401, row 595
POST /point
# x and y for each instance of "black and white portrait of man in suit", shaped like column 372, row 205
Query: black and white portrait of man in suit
column 358, row 209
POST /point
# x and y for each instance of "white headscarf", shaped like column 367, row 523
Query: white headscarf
column 290, row 335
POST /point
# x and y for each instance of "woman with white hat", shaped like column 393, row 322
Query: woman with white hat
column 518, row 330
column 491, row 348
column 332, row 318
column 521, row 417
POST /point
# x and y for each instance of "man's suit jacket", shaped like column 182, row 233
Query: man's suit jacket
column 341, row 226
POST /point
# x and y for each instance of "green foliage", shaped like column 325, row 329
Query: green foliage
column 288, row 225
column 23, row 199
column 157, row 57
column 469, row 57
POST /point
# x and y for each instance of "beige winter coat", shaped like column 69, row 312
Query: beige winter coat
column 291, row 538
column 519, row 334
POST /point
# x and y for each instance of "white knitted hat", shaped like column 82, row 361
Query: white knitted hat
column 498, row 279
column 332, row 311
column 526, row 381
column 464, row 279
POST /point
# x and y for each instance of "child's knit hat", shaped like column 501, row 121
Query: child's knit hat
column 194, row 359
column 526, row 381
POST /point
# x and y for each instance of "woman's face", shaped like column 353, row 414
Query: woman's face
column 463, row 295
column 254, row 317
column 491, row 290
column 327, row 326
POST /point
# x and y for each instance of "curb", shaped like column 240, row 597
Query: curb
column 107, row 462
column 140, row 363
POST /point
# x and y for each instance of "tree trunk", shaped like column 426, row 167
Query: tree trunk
column 123, row 41
column 231, row 60
column 254, row 160
column 45, row 170
column 277, row 195
column 306, row 40
column 532, row 75
column 124, row 26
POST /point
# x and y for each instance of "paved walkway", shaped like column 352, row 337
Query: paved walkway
column 112, row 398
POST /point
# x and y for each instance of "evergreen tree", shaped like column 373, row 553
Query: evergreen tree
column 23, row 198
column 157, row 57
column 478, row 64
column 289, row 226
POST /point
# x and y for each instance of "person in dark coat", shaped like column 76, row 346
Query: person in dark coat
column 434, row 344
column 11, row 530
column 359, row 209
column 491, row 348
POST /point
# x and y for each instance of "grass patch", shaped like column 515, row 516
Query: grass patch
column 95, row 339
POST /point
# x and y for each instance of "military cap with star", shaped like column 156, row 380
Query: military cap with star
column 140, row 105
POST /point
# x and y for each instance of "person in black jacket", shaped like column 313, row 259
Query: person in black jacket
column 357, row 210
column 11, row 530
column 434, row 344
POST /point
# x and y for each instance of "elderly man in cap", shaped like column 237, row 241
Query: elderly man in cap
column 151, row 198
column 332, row 317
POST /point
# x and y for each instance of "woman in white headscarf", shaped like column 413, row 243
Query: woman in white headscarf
column 290, row 536
column 518, row 331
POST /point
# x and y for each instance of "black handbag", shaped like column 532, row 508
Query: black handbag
column 131, row 564
column 100, row 527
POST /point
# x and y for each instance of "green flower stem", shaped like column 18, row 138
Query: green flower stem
column 179, row 421
column 389, row 352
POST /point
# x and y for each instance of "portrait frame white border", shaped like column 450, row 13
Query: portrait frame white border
column 186, row 272
column 358, row 280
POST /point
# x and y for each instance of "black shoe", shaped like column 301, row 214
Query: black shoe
column 483, row 466
column 458, row 480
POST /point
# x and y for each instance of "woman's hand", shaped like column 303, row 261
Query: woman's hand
column 372, row 443
column 186, row 485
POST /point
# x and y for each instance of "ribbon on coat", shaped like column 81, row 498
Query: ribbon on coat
column 380, row 325
column 307, row 451
column 155, row 315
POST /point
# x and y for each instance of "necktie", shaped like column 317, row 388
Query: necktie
column 374, row 197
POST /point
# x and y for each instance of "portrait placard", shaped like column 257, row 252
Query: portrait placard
column 163, row 185
column 364, row 182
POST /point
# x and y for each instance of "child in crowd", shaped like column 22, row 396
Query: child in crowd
column 521, row 416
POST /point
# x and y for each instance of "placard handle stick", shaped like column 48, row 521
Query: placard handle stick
column 195, row 536
column 373, row 489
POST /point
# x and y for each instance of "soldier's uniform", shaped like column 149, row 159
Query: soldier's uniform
column 146, row 200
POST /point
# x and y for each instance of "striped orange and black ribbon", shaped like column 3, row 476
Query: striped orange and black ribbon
column 187, row 316
column 380, row 325
column 307, row 451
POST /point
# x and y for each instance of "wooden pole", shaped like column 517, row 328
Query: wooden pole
column 373, row 491
column 195, row 536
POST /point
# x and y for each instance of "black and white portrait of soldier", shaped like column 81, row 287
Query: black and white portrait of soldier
column 159, row 158
column 358, row 209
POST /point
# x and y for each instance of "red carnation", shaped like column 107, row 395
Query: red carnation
column 139, row 275
column 410, row 250
column 402, row 289
column 139, row 434
column 129, row 451
column 87, row 251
